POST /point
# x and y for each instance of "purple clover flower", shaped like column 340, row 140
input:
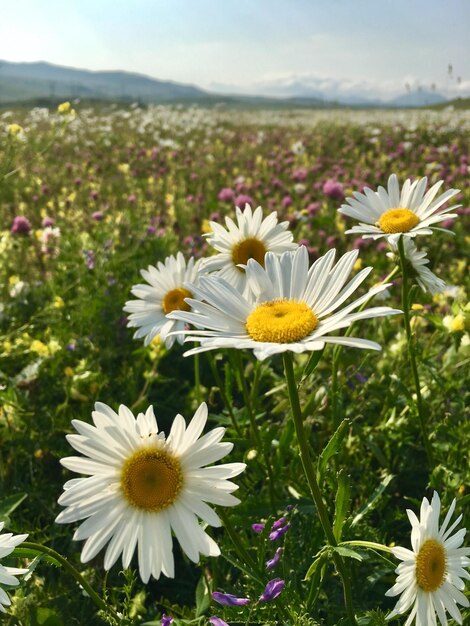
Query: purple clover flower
column 217, row 621
column 166, row 620
column 243, row 199
column 226, row 194
column 273, row 589
column 272, row 563
column 21, row 226
column 277, row 534
column 228, row 599
column 258, row 527
column 333, row 189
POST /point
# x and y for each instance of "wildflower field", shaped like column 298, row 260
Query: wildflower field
column 325, row 439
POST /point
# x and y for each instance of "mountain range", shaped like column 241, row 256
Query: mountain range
column 45, row 82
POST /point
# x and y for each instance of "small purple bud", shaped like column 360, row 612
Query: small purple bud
column 258, row 528
column 279, row 523
column 273, row 589
column 227, row 599
column 217, row 621
column 271, row 564
column 166, row 620
column 277, row 534
column 97, row 216
column 47, row 221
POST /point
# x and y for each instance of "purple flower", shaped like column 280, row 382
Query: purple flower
column 227, row 599
column 226, row 194
column 21, row 226
column 271, row 564
column 286, row 202
column 273, row 589
column 166, row 620
column 277, row 534
column 258, row 528
column 333, row 189
column 47, row 221
column 279, row 523
column 97, row 216
column 313, row 208
column 217, row 621
column 243, row 199
column 151, row 230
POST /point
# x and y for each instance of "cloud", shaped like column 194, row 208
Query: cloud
column 316, row 85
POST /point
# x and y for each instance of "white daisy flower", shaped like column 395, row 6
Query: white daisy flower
column 142, row 486
column 393, row 213
column 289, row 307
column 163, row 294
column 8, row 543
column 428, row 281
column 251, row 239
column 430, row 577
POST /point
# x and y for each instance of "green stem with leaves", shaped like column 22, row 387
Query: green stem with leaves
column 100, row 603
column 337, row 353
column 255, row 430
column 412, row 353
column 310, row 474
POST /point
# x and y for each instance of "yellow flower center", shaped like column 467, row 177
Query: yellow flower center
column 151, row 479
column 431, row 565
column 281, row 321
column 174, row 300
column 397, row 221
column 250, row 248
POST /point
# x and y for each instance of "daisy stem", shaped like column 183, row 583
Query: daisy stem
column 197, row 378
column 309, row 471
column 337, row 353
column 255, row 430
column 225, row 400
column 411, row 352
column 100, row 603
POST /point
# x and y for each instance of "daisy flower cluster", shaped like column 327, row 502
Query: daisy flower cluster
column 257, row 293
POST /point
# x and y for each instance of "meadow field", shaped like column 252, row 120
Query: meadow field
column 328, row 443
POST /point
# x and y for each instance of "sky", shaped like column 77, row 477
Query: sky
column 253, row 46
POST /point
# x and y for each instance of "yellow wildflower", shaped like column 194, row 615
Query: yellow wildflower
column 64, row 107
column 14, row 129
column 357, row 265
column 58, row 303
column 417, row 307
column 39, row 347
column 123, row 168
column 68, row 371
column 454, row 323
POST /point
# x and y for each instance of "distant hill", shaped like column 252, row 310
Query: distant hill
column 27, row 81
column 43, row 83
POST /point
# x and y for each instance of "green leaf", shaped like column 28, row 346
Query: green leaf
column 9, row 504
column 313, row 361
column 333, row 445
column 32, row 566
column 317, row 562
column 46, row 617
column 203, row 596
column 373, row 499
column 341, row 503
column 347, row 553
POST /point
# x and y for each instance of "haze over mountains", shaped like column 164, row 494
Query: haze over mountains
column 27, row 82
